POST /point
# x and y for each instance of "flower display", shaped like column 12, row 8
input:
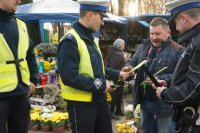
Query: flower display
column 59, row 119
column 35, row 51
column 48, row 66
column 53, row 119
column 34, row 119
column 137, row 117
column 109, row 98
column 46, row 50
column 45, row 121
column 35, row 116
column 125, row 128
column 51, row 93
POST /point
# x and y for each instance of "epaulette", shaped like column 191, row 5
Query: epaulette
column 69, row 37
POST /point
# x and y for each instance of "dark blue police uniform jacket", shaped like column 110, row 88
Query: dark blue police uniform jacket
column 68, row 64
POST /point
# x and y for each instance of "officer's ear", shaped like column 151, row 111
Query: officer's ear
column 90, row 14
column 184, row 18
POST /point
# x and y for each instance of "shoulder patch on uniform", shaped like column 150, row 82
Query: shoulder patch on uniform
column 69, row 36
column 97, row 83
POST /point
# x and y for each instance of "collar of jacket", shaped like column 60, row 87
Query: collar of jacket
column 5, row 15
column 166, row 42
column 189, row 34
column 84, row 32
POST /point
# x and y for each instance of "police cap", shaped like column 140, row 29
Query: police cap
column 95, row 5
column 177, row 6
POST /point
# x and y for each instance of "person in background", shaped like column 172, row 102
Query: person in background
column 117, row 62
column 82, row 71
column 183, row 89
column 18, row 70
column 160, row 51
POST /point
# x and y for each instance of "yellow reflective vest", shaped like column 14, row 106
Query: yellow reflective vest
column 8, row 64
column 85, row 68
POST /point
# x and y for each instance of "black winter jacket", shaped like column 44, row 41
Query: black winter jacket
column 184, row 88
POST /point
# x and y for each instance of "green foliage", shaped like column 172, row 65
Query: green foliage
column 129, row 115
column 45, row 121
column 58, row 123
column 138, row 123
column 34, row 122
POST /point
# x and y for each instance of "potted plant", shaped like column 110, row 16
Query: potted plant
column 34, row 123
column 45, row 124
column 58, row 126
column 58, row 122
column 67, row 124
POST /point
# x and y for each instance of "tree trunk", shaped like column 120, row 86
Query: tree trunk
column 121, row 7
column 60, row 30
column 139, row 6
column 111, row 7
column 55, row 27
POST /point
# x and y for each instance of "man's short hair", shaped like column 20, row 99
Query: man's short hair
column 193, row 13
column 159, row 21
column 83, row 13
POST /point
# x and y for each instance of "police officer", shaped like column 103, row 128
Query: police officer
column 18, row 70
column 184, row 89
column 82, row 71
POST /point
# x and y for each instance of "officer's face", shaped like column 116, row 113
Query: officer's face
column 158, row 34
column 97, row 21
column 9, row 5
column 181, row 23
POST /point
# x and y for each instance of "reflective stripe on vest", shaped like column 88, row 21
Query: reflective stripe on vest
column 8, row 72
column 85, row 68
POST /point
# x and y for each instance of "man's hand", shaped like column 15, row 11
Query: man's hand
column 159, row 91
column 161, row 82
column 109, row 89
column 149, row 81
column 123, row 76
column 31, row 89
column 127, row 70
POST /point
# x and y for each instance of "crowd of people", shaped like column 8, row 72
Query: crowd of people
column 169, row 102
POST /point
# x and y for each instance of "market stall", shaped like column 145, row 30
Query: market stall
column 47, row 12
column 48, row 108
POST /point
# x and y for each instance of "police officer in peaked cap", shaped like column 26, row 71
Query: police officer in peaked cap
column 183, row 90
column 82, row 71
